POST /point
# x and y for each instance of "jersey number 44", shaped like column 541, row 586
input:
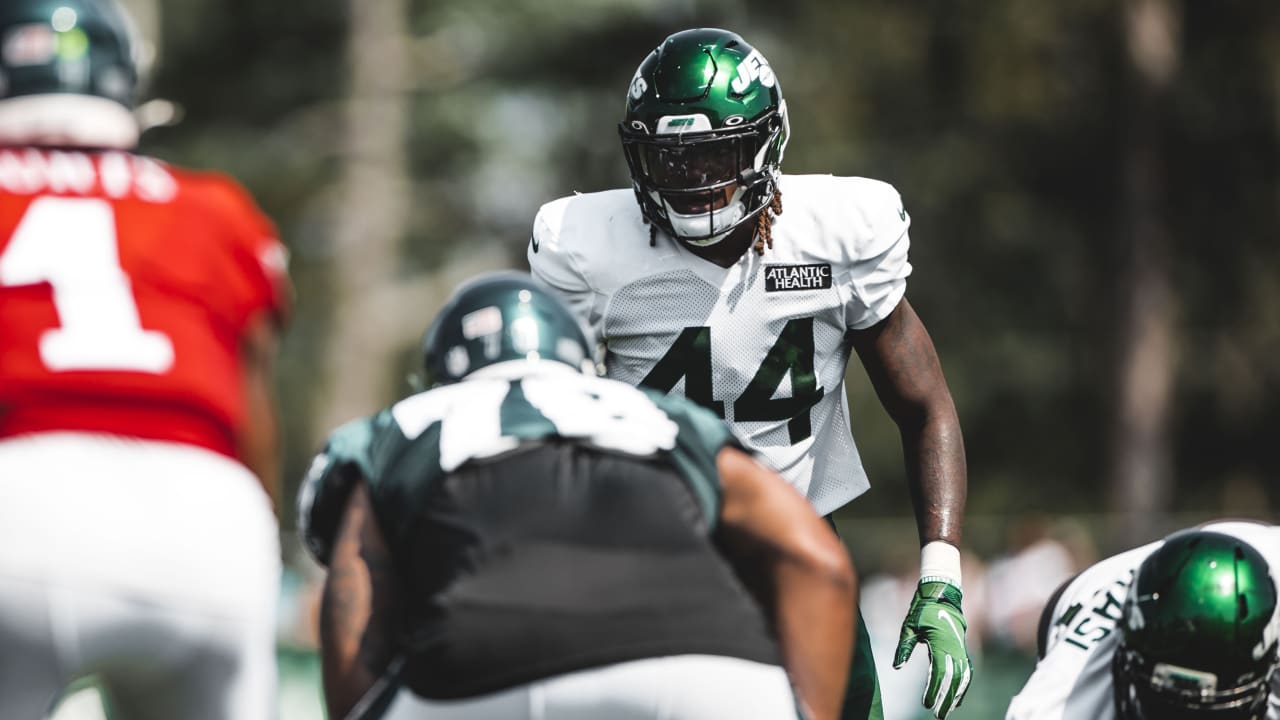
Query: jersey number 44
column 690, row 358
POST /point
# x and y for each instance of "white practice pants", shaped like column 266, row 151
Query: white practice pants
column 680, row 687
column 154, row 566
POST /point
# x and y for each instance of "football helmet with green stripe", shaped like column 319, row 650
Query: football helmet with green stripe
column 704, row 133
column 1199, row 632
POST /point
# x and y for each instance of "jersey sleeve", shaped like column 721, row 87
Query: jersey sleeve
column 557, row 266
column 347, row 458
column 261, row 262
column 700, row 438
column 1073, row 679
column 878, row 270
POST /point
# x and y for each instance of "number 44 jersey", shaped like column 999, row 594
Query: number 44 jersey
column 126, row 286
column 763, row 343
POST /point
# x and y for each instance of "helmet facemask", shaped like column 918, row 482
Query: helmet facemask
column 1148, row 690
column 700, row 186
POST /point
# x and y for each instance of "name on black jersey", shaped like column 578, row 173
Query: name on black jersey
column 779, row 278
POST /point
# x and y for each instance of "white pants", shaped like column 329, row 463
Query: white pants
column 681, row 687
column 155, row 566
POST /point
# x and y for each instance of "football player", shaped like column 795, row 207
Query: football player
column 1182, row 629
column 528, row 540
column 718, row 278
column 139, row 310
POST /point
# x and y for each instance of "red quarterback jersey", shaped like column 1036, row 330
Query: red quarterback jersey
column 126, row 286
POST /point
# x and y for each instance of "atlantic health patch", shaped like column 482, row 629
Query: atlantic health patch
column 779, row 278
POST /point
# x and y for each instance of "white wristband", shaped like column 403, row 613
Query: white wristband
column 940, row 561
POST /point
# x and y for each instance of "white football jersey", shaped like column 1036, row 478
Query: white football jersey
column 764, row 342
column 1073, row 680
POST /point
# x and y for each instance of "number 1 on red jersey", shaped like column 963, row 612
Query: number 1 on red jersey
column 71, row 244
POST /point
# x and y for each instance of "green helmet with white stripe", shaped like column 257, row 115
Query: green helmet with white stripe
column 704, row 134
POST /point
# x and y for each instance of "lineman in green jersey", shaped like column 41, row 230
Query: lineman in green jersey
column 1184, row 628
column 526, row 539
column 699, row 284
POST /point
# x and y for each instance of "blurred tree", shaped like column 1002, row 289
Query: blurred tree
column 370, row 215
column 1141, row 483
column 1036, row 174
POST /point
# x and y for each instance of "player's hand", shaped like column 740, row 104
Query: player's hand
column 935, row 619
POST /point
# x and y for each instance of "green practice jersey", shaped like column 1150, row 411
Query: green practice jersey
column 404, row 449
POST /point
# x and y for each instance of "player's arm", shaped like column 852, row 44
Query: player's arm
column 359, row 608
column 903, row 367
column 801, row 573
column 258, row 442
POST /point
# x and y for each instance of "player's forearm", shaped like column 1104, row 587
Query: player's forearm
column 259, row 450
column 798, row 570
column 903, row 366
column 258, row 441
column 937, row 477
column 814, row 619
column 346, row 679
column 359, row 609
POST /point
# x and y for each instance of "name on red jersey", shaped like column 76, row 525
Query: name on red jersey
column 114, row 174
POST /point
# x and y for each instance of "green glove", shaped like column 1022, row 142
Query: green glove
column 935, row 619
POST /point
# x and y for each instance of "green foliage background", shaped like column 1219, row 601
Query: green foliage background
column 1003, row 123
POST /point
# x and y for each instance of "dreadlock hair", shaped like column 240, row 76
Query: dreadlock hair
column 764, row 222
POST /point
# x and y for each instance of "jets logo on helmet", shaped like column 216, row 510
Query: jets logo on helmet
column 754, row 68
column 638, row 86
column 704, row 133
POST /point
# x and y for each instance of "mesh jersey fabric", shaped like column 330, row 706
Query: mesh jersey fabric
column 642, row 302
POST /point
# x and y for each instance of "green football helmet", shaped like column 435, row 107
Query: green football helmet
column 80, row 47
column 1198, row 632
column 500, row 317
column 704, row 134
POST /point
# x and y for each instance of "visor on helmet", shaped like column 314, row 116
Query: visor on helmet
column 694, row 166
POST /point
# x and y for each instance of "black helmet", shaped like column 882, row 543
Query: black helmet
column 499, row 317
column 84, row 47
column 68, row 73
